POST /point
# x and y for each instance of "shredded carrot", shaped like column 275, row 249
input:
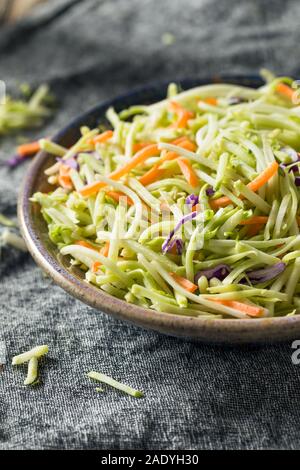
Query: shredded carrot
column 31, row 148
column 139, row 157
column 85, row 244
column 256, row 219
column 210, row 100
column 220, row 202
column 250, row 310
column 254, row 229
column 101, row 138
column 179, row 140
column 152, row 175
column 105, row 249
column 95, row 266
column 264, row 177
column 183, row 114
column 285, row 90
column 257, row 183
column 196, row 208
column 117, row 195
column 64, row 179
column 187, row 145
column 188, row 172
column 155, row 172
column 64, row 170
column 185, row 283
column 140, row 145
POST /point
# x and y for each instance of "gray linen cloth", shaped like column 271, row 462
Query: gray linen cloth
column 196, row 396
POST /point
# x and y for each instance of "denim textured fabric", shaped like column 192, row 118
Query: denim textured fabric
column 196, row 396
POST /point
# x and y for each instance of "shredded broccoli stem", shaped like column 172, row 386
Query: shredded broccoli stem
column 99, row 377
column 32, row 373
column 37, row 352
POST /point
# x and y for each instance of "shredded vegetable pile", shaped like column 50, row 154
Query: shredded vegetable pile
column 18, row 114
column 188, row 206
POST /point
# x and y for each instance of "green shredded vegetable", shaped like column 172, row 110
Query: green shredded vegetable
column 205, row 226
column 31, row 357
column 113, row 383
column 18, row 114
column 32, row 373
column 6, row 221
column 8, row 237
column 37, row 351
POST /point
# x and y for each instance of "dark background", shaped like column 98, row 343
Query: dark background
column 196, row 396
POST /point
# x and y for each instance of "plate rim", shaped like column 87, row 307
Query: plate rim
column 212, row 330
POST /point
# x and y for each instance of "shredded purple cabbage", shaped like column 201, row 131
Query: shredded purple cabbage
column 184, row 219
column 291, row 153
column 263, row 275
column 192, row 199
column 220, row 272
column 14, row 161
column 70, row 162
column 294, row 168
column 210, row 191
column 297, row 180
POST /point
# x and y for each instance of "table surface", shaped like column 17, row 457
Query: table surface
column 196, row 396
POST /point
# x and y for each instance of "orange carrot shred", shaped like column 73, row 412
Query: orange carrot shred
column 152, row 175
column 183, row 282
column 254, row 229
column 254, row 185
column 183, row 114
column 85, row 244
column 64, row 179
column 285, row 90
column 105, row 249
column 264, row 177
column 95, row 266
column 188, row 172
column 28, row 149
column 140, row 145
column 220, row 202
column 138, row 158
column 117, row 195
column 210, row 100
column 101, row 138
column 251, row 310
column 256, row 219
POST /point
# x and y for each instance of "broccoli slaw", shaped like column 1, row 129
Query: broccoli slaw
column 188, row 206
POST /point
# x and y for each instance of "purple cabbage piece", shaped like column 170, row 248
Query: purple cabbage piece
column 291, row 153
column 262, row 275
column 179, row 246
column 14, row 161
column 192, row 199
column 297, row 181
column 184, row 219
column 294, row 168
column 210, row 191
column 220, row 272
column 70, row 162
